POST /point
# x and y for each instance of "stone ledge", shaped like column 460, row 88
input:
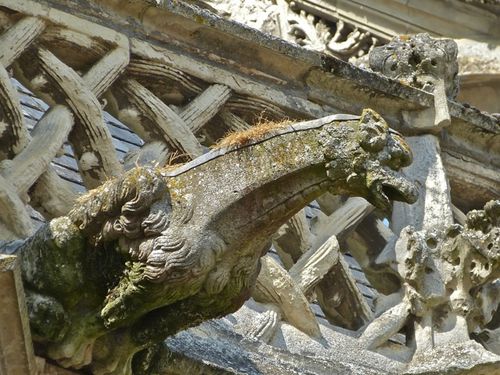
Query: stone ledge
column 456, row 358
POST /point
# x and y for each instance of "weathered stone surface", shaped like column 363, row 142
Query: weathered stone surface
column 444, row 272
column 456, row 358
column 214, row 346
column 426, row 63
column 256, row 321
column 16, row 348
column 304, row 84
column 419, row 60
column 275, row 286
column 157, row 251
column 314, row 264
column 338, row 347
column 315, row 85
column 433, row 207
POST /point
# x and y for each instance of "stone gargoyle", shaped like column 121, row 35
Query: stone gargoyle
column 159, row 250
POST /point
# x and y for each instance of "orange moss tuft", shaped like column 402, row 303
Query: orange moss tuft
column 171, row 167
column 256, row 132
column 176, row 159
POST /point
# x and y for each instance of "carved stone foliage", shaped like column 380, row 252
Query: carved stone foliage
column 157, row 251
column 423, row 62
column 444, row 273
column 419, row 60
column 289, row 21
column 337, row 38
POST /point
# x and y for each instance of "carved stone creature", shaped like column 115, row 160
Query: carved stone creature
column 159, row 250
column 443, row 273
column 423, row 62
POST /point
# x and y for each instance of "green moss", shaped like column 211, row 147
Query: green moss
column 199, row 19
column 48, row 320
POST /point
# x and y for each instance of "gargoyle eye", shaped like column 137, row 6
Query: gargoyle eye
column 401, row 155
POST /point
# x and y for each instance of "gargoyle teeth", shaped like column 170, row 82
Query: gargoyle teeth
column 382, row 198
column 351, row 177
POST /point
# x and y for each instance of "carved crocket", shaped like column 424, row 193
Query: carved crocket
column 160, row 250
column 421, row 61
column 446, row 274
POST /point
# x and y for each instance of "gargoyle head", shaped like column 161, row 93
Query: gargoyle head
column 372, row 163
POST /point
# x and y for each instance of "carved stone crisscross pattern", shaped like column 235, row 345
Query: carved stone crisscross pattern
column 76, row 95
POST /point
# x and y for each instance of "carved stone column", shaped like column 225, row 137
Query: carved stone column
column 433, row 207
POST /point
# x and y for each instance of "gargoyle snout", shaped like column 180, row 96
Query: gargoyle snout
column 389, row 185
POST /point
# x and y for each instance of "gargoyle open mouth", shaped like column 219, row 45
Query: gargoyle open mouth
column 391, row 187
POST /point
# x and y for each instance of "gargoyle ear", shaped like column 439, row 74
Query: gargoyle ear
column 373, row 131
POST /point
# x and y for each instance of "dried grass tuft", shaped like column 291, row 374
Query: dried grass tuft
column 171, row 167
column 255, row 133
column 175, row 160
